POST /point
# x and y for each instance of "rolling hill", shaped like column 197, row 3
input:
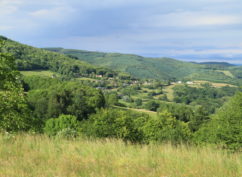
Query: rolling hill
column 78, row 63
column 30, row 58
column 158, row 68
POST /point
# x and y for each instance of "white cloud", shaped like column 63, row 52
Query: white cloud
column 227, row 52
column 53, row 14
column 5, row 27
column 153, row 26
column 193, row 19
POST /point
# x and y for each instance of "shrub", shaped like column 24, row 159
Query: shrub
column 225, row 128
column 62, row 125
column 115, row 123
column 152, row 105
column 165, row 128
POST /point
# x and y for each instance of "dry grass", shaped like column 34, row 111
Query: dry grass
column 39, row 156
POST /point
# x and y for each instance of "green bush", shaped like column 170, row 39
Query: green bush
column 225, row 128
column 152, row 105
column 64, row 124
column 165, row 128
column 115, row 123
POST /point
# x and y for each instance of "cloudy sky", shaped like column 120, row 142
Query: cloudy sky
column 192, row 30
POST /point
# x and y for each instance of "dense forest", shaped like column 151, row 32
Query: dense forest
column 72, row 103
column 158, row 68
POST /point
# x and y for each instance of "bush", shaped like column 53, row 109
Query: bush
column 152, row 106
column 225, row 128
column 165, row 128
column 115, row 123
column 64, row 124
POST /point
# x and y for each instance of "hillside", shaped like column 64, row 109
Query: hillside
column 30, row 58
column 79, row 63
column 153, row 68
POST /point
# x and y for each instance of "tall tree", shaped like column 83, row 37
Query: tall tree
column 13, row 107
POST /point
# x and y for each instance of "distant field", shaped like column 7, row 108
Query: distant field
column 40, row 156
column 214, row 84
column 86, row 79
column 38, row 73
column 151, row 113
column 227, row 73
column 169, row 89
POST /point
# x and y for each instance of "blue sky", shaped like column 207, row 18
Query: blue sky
column 191, row 30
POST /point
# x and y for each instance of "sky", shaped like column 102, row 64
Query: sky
column 189, row 30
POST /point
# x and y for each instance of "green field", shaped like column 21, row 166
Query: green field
column 227, row 73
column 151, row 113
column 40, row 156
column 44, row 73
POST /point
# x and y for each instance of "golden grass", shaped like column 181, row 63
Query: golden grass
column 39, row 156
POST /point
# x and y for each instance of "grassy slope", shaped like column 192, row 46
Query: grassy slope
column 38, row 156
column 154, row 68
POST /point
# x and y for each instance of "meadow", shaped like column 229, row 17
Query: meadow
column 26, row 155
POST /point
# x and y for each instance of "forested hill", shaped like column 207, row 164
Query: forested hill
column 225, row 64
column 156, row 68
column 78, row 63
column 31, row 58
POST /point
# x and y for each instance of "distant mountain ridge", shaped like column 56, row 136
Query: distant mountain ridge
column 217, row 63
column 157, row 68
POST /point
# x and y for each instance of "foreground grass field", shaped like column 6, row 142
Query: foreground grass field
column 39, row 156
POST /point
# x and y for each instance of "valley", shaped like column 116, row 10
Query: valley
column 56, row 102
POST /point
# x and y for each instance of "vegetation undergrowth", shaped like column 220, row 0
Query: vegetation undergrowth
column 24, row 155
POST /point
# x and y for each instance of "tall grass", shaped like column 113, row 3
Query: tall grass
column 40, row 156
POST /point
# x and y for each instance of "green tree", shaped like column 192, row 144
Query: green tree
column 165, row 128
column 225, row 128
column 152, row 105
column 111, row 99
column 13, row 108
column 138, row 102
column 115, row 123
column 70, row 98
